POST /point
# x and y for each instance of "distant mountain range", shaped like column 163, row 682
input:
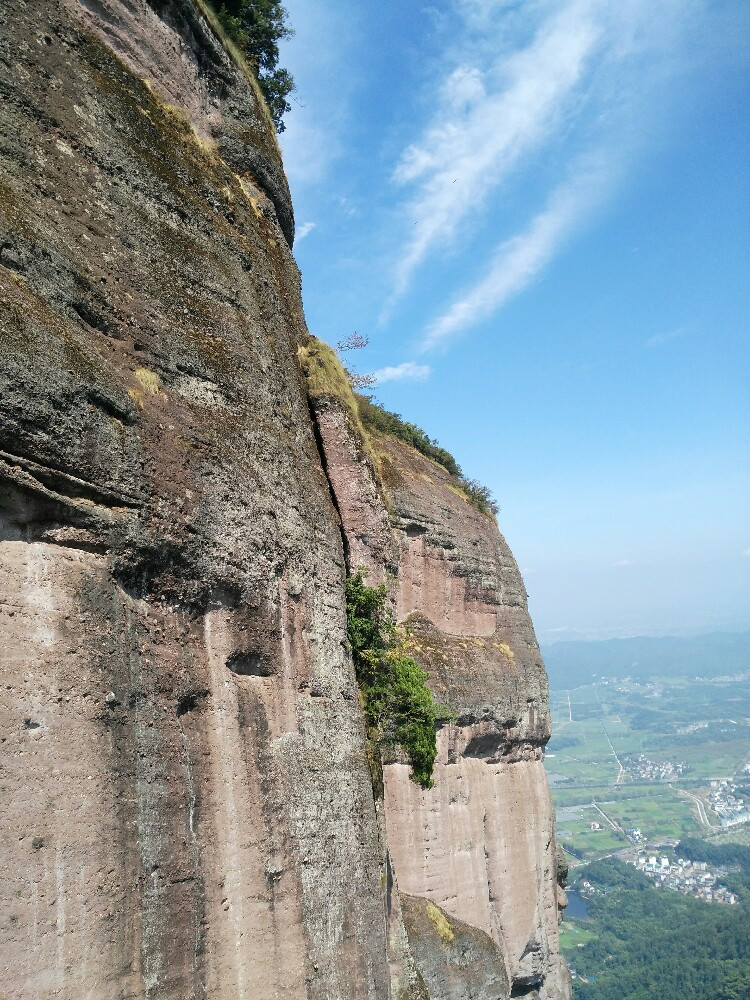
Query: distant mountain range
column 571, row 664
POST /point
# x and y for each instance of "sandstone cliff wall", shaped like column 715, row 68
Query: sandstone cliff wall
column 187, row 809
column 186, row 801
column 480, row 844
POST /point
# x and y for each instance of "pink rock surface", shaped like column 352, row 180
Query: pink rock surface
column 186, row 802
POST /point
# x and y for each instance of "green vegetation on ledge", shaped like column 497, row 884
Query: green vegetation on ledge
column 399, row 707
column 376, row 418
column 325, row 375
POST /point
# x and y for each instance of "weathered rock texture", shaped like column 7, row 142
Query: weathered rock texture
column 187, row 809
column 356, row 490
column 456, row 961
column 480, row 843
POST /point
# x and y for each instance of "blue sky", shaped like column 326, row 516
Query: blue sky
column 539, row 213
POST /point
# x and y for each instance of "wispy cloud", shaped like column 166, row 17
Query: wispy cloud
column 746, row 552
column 304, row 230
column 623, row 562
column 488, row 117
column 406, row 370
column 664, row 338
column 568, row 88
column 517, row 261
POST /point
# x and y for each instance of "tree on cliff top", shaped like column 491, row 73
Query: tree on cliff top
column 257, row 26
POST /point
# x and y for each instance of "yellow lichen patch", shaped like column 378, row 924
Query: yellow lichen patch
column 251, row 193
column 177, row 115
column 182, row 120
column 505, row 650
column 208, row 146
column 137, row 396
column 149, row 382
column 459, row 492
column 439, row 919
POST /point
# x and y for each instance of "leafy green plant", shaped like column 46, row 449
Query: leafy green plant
column 399, row 708
column 257, row 27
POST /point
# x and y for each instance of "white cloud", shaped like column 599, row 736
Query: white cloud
column 487, row 119
column 746, row 552
column 623, row 562
column 304, row 230
column 664, row 338
column 406, row 370
column 517, row 261
column 549, row 81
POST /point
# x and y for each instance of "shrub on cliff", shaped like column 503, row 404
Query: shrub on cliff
column 257, row 27
column 399, row 707
column 376, row 418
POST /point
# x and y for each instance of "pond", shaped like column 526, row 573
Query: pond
column 577, row 907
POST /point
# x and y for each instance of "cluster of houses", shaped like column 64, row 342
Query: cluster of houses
column 643, row 769
column 728, row 803
column 629, row 685
column 692, row 878
column 693, row 727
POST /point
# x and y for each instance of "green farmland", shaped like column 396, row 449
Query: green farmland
column 701, row 727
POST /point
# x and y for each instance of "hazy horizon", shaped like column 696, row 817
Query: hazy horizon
column 686, row 634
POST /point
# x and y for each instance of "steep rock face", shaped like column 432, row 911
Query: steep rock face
column 170, row 45
column 480, row 843
column 462, row 598
column 187, row 803
column 456, row 961
column 188, row 810
column 356, row 490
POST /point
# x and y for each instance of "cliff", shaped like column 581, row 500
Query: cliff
column 480, row 844
column 188, row 809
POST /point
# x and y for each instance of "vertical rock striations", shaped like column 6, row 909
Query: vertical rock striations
column 186, row 801
column 479, row 846
column 480, row 843
column 187, row 806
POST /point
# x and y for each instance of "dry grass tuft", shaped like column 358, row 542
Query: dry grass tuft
column 442, row 925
